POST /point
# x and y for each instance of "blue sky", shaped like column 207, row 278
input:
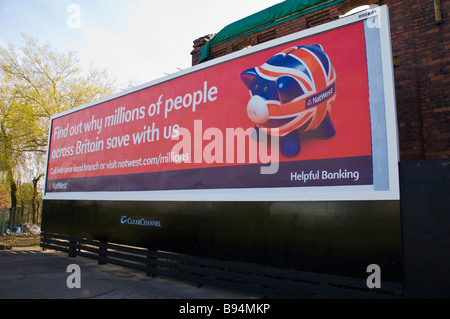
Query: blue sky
column 135, row 40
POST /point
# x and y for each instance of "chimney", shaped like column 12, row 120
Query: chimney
column 198, row 44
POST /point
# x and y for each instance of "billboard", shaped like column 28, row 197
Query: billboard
column 310, row 116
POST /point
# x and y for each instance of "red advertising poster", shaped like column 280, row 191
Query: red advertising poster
column 293, row 115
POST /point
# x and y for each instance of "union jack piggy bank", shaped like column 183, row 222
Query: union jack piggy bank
column 294, row 92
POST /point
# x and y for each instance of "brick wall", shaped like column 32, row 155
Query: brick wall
column 422, row 78
column 420, row 47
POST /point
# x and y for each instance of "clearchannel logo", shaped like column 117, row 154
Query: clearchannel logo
column 140, row 221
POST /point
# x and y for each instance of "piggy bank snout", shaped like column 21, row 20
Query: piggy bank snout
column 257, row 110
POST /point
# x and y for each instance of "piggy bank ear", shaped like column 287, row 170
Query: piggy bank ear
column 317, row 47
column 248, row 77
column 288, row 88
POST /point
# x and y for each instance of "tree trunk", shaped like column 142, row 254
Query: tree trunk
column 35, row 199
column 13, row 188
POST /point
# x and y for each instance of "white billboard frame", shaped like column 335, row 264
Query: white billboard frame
column 376, row 24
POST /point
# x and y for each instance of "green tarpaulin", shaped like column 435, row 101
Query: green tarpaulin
column 264, row 19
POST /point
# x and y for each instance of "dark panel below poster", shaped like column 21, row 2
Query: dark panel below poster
column 328, row 237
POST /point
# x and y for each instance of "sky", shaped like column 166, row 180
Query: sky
column 136, row 41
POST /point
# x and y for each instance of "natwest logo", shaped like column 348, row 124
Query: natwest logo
column 57, row 186
column 320, row 97
column 140, row 221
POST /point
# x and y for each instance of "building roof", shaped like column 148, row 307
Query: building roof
column 276, row 14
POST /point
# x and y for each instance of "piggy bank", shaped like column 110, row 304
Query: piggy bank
column 291, row 94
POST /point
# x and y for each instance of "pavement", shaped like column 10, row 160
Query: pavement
column 31, row 273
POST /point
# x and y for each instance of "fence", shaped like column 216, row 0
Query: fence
column 425, row 190
column 264, row 281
